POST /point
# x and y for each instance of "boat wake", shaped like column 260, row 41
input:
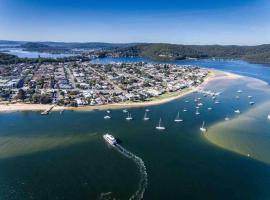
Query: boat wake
column 143, row 173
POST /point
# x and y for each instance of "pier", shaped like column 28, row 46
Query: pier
column 46, row 112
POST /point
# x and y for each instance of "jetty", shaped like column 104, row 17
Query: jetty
column 46, row 112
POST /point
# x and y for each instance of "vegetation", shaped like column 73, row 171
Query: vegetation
column 258, row 54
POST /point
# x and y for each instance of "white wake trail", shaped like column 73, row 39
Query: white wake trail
column 138, row 195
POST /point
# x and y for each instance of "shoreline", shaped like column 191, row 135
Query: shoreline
column 213, row 75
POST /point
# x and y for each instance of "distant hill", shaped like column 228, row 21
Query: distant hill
column 258, row 54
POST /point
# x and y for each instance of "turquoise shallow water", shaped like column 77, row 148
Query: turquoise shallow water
column 64, row 156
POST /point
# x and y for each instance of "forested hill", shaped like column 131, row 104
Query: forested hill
column 258, row 54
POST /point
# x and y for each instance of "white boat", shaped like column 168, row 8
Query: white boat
column 217, row 102
column 187, row 101
column 209, row 108
column 145, row 117
column 125, row 111
column 108, row 111
column 199, row 98
column 129, row 117
column 200, row 104
column 227, row 118
column 237, row 97
column 159, row 126
column 197, row 111
column 147, row 110
column 202, row 128
column 184, row 110
column 177, row 119
column 107, row 117
column 110, row 139
column 251, row 103
column 250, row 96
column 239, row 91
column 237, row 111
column 268, row 117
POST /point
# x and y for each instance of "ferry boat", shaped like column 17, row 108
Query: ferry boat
column 110, row 139
column 202, row 128
column 177, row 119
column 159, row 126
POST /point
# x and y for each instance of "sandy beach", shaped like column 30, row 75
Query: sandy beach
column 213, row 75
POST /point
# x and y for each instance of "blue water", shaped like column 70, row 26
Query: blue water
column 63, row 156
column 32, row 54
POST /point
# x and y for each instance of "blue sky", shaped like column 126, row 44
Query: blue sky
column 244, row 22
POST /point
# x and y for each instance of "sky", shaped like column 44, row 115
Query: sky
column 241, row 22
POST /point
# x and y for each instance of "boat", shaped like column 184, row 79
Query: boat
column 61, row 111
column 187, row 101
column 147, row 110
column 237, row 97
column 145, row 118
column 202, row 128
column 197, row 111
column 227, row 118
column 159, row 126
column 200, row 104
column 108, row 111
column 239, row 91
column 125, row 111
column 44, row 113
column 110, row 139
column 209, row 108
column 268, row 117
column 250, row 96
column 129, row 117
column 177, row 119
column 217, row 102
column 237, row 111
column 251, row 103
column 107, row 117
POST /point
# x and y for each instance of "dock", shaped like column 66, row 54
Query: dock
column 46, row 112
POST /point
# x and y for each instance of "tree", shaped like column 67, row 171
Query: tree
column 21, row 94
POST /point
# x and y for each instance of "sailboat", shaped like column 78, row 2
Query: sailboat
column 159, row 126
column 108, row 111
column 125, row 111
column 197, row 111
column 250, row 96
column 202, row 128
column 184, row 110
column 239, row 91
column 209, row 108
column 177, row 119
column 107, row 117
column 237, row 111
column 227, row 118
column 251, row 103
column 145, row 118
column 268, row 117
column 129, row 117
column 147, row 110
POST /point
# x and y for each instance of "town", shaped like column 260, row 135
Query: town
column 83, row 83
